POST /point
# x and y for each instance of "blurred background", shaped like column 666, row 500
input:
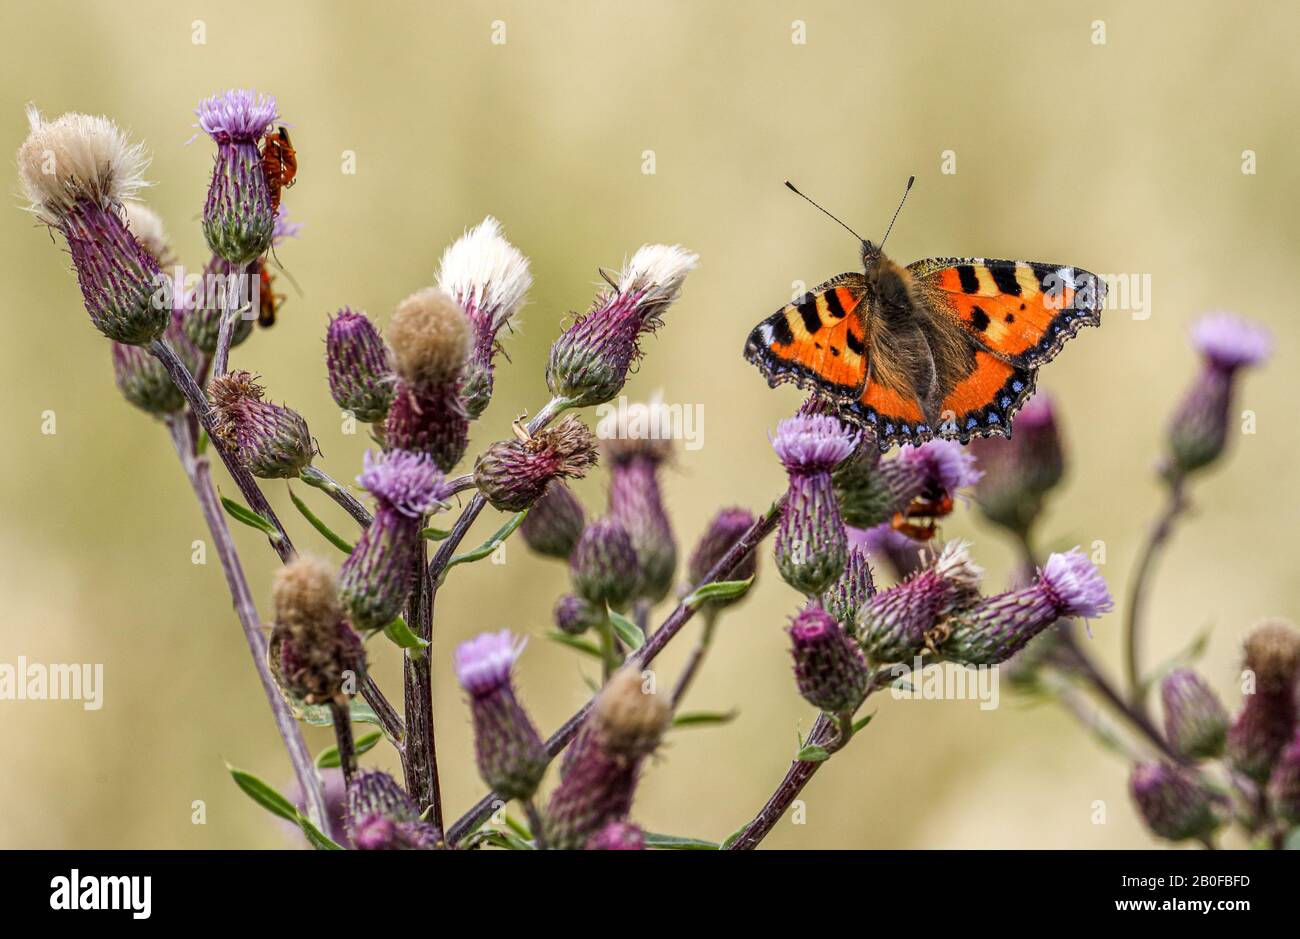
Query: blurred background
column 1122, row 156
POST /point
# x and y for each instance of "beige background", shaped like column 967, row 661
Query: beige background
column 1123, row 157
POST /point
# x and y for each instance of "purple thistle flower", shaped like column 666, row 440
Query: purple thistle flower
column 381, row 816
column 873, row 490
column 811, row 543
column 617, row 836
column 1175, row 803
column 636, row 501
column 898, row 624
column 1195, row 720
column 828, row 667
column 812, row 445
column 725, row 529
column 1268, row 718
column 513, row 474
column 555, row 522
column 604, row 565
column 407, row 483
column 238, row 220
column 271, row 441
column 589, row 362
column 511, row 756
column 1228, row 342
column 1284, row 784
column 361, row 378
column 1020, row 470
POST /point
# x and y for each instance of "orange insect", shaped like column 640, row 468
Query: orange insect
column 926, row 511
column 268, row 300
column 279, row 164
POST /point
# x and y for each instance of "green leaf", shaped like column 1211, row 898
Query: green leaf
column 626, row 630
column 518, row 827
column 678, row 843
column 319, row 715
column 201, row 446
column 575, row 642
column 718, row 590
column 487, row 547
column 264, row 794
column 696, row 718
column 434, row 534
column 863, row 722
column 733, row 837
column 319, row 840
column 317, row 524
column 250, row 518
column 402, row 636
column 329, row 757
column 812, row 754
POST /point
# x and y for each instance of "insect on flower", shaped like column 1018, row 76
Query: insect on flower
column 268, row 300
column 924, row 510
column 279, row 163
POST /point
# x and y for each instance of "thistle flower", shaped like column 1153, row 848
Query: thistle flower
column 873, row 490
column 270, row 440
column 574, row 615
column 314, row 649
column 377, row 576
column 1284, row 784
column 142, row 379
column 77, row 171
column 1268, row 717
column 382, row 817
column 617, row 836
column 1175, row 803
column 510, row 754
column 636, row 502
column 603, row 565
column 555, row 522
column 513, row 474
column 238, row 220
column 895, row 625
column 590, row 360
column 1195, row 721
column 1198, row 432
column 1021, row 470
column 852, row 591
column 600, row 774
column 356, row 361
column 828, row 667
column 725, row 529
column 811, row 543
column 488, row 277
column 429, row 336
column 996, row 628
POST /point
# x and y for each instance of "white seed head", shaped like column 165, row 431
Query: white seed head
column 955, row 565
column 147, row 226
column 78, row 156
column 658, row 271
column 485, row 271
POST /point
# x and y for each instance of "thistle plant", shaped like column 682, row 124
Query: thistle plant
column 846, row 516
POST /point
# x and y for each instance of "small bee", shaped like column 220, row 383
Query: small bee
column 279, row 164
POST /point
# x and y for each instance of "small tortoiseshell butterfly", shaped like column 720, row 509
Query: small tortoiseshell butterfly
column 945, row 347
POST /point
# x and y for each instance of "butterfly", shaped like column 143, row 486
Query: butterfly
column 944, row 347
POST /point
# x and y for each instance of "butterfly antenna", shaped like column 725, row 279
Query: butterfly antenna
column 906, row 190
column 789, row 185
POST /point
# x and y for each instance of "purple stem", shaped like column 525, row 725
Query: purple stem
column 1163, row 527
column 314, row 476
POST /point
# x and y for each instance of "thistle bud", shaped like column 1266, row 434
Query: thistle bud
column 617, row 836
column 1175, row 803
column 555, row 522
column 726, row 528
column 142, row 379
column 1198, row 432
column 811, row 543
column 603, row 565
column 828, row 667
column 992, row 630
column 574, row 615
column 852, row 591
column 600, row 773
column 271, row 441
column 488, row 277
column 513, row 474
column 917, row 480
column 589, row 362
column 895, row 624
column 77, row 171
column 382, row 817
column 377, row 576
column 1268, row 717
column 1019, row 471
column 1284, row 784
column 428, row 420
column 636, row 502
column 356, row 360
column 238, row 219
column 316, row 655
column 1195, row 721
column 511, row 756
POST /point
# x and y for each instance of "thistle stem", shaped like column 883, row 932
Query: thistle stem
column 343, row 736
column 314, row 476
column 232, row 310
column 697, row 658
column 1175, row 505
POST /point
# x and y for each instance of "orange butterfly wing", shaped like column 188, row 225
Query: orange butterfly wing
column 817, row 342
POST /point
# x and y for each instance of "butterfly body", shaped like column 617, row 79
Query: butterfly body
column 944, row 347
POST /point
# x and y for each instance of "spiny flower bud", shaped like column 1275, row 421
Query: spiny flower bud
column 635, row 500
column 511, row 756
column 77, row 171
column 428, row 420
column 142, row 379
column 811, row 543
column 1195, row 721
column 590, row 360
column 356, row 360
column 895, row 624
column 377, row 576
column 381, row 816
column 514, row 473
column 1174, row 802
column 917, row 480
column 555, row 522
column 238, row 219
column 617, row 836
column 1268, row 717
column 828, row 667
column 1284, row 784
column 314, row 651
column 1020, row 470
column 488, row 277
column 1198, row 432
column 574, row 615
column 996, row 628
column 603, row 565
column 726, row 528
column 271, row 441
column 852, row 591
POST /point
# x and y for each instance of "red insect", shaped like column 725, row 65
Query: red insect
column 926, row 511
column 279, row 164
column 268, row 301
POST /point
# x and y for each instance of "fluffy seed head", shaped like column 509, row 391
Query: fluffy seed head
column 407, row 483
column 1273, row 654
column 483, row 663
column 429, row 335
column 237, row 115
column 78, row 157
column 656, row 273
column 306, row 591
column 149, row 231
column 485, row 274
column 628, row 720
